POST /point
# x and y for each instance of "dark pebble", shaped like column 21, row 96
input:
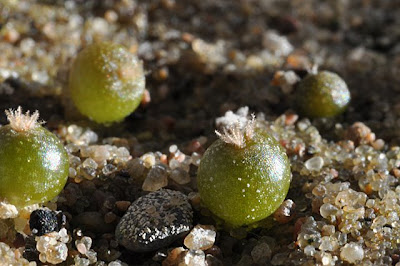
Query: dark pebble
column 30, row 251
column 43, row 221
column 154, row 221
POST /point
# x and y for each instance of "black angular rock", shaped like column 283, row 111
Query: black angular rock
column 155, row 221
column 30, row 251
column 43, row 221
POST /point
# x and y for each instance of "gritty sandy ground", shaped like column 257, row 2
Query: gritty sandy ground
column 202, row 59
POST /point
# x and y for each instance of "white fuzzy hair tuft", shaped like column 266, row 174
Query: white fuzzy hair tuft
column 22, row 122
column 237, row 136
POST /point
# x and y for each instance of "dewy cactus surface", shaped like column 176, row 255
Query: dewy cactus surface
column 33, row 162
column 244, row 178
column 106, row 82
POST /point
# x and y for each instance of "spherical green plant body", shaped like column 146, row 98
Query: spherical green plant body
column 106, row 82
column 33, row 165
column 324, row 94
column 243, row 185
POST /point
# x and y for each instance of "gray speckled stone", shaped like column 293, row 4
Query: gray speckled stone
column 155, row 221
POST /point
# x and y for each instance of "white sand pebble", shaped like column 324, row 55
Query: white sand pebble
column 352, row 252
column 314, row 164
column 201, row 237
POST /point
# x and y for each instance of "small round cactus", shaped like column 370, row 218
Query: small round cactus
column 244, row 176
column 33, row 162
column 106, row 82
column 323, row 94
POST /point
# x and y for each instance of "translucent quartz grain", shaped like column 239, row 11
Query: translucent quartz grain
column 196, row 158
column 109, row 169
column 350, row 198
column 309, row 250
column 309, row 233
column 81, row 261
column 84, row 244
column 173, row 256
column 180, row 176
column 9, row 256
column 156, row 179
column 379, row 221
column 181, row 256
column 314, row 164
column 71, row 172
column 173, row 148
column 327, row 259
column 90, row 163
column 285, row 212
column 101, row 153
column 352, row 252
column 194, row 258
column 341, row 237
column 52, row 247
column 328, row 244
column 74, row 160
column 201, row 237
column 136, row 168
column 174, row 163
column 92, row 256
column 277, row 44
column 148, row 159
column 122, row 155
column 71, row 148
column 117, row 263
column 319, row 190
column 88, row 172
column 328, row 230
column 327, row 210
